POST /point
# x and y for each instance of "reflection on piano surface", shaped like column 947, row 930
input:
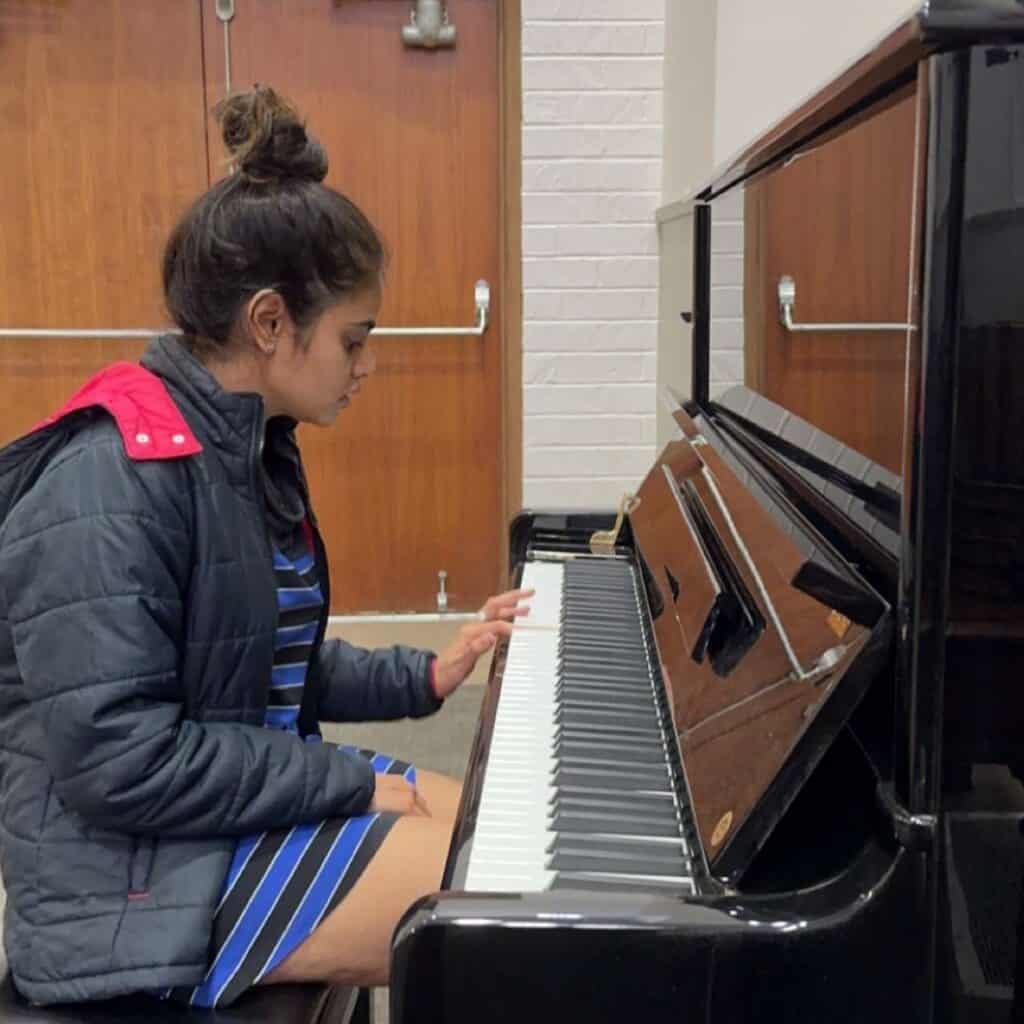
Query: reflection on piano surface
column 716, row 776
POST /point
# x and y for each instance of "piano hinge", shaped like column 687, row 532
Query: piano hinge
column 913, row 831
column 602, row 542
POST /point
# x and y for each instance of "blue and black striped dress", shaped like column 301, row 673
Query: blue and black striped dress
column 282, row 883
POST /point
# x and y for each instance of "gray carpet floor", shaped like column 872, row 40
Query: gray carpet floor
column 440, row 743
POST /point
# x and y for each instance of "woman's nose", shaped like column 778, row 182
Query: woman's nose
column 367, row 363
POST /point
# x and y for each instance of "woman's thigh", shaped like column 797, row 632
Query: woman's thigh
column 441, row 794
column 352, row 945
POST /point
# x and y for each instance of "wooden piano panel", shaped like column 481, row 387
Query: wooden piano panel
column 735, row 732
column 837, row 220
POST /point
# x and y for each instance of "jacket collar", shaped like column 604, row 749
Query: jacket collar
column 230, row 422
column 233, row 424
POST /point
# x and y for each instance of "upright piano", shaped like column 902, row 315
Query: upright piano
column 756, row 754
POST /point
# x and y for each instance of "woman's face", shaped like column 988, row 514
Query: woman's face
column 312, row 383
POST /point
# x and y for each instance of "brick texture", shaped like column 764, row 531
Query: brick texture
column 726, row 292
column 592, row 144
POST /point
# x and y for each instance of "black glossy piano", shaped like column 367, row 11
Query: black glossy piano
column 757, row 754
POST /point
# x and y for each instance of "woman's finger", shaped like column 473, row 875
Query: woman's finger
column 496, row 627
column 481, row 644
column 494, row 605
column 512, row 612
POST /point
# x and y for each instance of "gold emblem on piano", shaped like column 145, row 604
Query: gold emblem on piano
column 721, row 829
column 602, row 542
column 839, row 623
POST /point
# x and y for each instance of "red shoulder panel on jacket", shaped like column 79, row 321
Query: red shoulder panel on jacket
column 151, row 425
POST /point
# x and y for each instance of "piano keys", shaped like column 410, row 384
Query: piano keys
column 582, row 787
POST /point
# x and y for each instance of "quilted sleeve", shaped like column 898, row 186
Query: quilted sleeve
column 358, row 685
column 93, row 565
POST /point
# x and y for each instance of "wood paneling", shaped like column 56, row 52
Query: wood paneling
column 838, row 220
column 408, row 481
column 103, row 143
column 735, row 730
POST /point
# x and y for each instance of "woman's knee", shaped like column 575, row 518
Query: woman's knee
column 352, row 945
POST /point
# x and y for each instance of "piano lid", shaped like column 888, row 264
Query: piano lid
column 766, row 638
column 883, row 68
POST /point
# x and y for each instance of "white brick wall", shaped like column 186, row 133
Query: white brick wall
column 726, row 292
column 592, row 143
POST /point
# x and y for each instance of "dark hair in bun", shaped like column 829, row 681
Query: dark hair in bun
column 271, row 223
column 266, row 139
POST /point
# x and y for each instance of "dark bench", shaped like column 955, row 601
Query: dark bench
column 280, row 1004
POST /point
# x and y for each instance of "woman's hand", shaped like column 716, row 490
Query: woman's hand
column 457, row 660
column 394, row 793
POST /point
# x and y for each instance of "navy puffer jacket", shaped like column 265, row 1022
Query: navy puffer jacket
column 137, row 617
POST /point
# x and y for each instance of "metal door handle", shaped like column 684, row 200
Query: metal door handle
column 787, row 305
column 481, row 295
column 482, row 299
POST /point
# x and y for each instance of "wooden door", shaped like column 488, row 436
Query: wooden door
column 838, row 220
column 407, row 482
column 103, row 140
column 106, row 139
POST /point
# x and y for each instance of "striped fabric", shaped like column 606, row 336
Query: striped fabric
column 281, row 884
column 299, row 602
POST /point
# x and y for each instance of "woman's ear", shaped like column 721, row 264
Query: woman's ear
column 266, row 320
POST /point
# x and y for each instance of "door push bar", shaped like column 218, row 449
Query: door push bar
column 481, row 295
column 787, row 306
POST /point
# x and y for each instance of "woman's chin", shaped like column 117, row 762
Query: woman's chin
column 327, row 416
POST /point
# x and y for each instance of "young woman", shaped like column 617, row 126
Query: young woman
column 171, row 821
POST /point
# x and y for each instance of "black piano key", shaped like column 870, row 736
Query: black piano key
column 603, row 666
column 664, row 823
column 578, row 716
column 597, row 778
column 586, row 882
column 660, row 801
column 632, row 681
column 603, row 659
column 572, row 675
column 662, row 826
column 638, row 865
column 634, row 688
column 609, row 727
column 610, row 743
column 601, row 646
column 641, row 704
column 607, row 692
column 624, row 631
column 617, row 753
column 617, row 627
column 655, row 804
column 603, row 639
column 653, row 768
column 629, row 846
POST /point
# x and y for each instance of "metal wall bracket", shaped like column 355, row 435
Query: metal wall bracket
column 787, row 307
column 913, row 831
column 225, row 12
column 429, row 26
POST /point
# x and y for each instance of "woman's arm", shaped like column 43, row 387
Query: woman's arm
column 93, row 565
column 358, row 685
